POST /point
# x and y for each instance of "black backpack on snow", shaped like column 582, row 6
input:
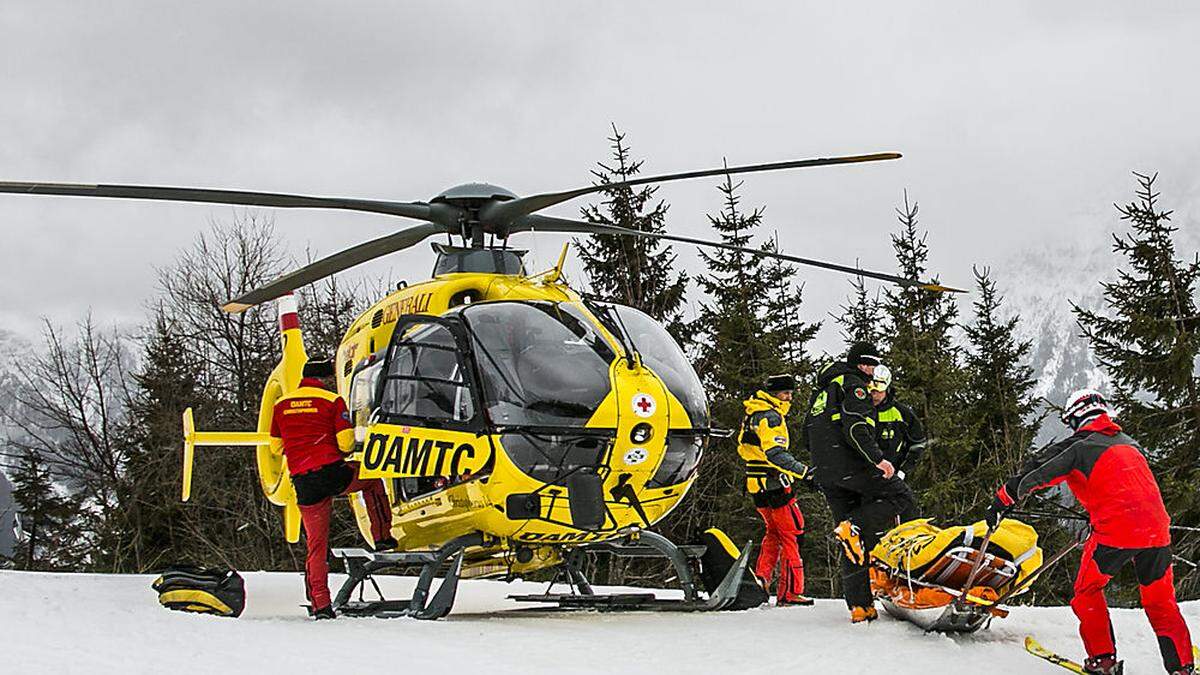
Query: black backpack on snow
column 719, row 556
column 191, row 588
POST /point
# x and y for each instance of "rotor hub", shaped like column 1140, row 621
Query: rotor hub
column 473, row 194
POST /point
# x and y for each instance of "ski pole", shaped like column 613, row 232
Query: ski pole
column 1027, row 581
column 1074, row 515
column 1184, row 560
column 1044, row 514
column 987, row 538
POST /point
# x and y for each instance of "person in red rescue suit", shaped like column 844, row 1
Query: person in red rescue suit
column 770, row 471
column 311, row 427
column 1109, row 475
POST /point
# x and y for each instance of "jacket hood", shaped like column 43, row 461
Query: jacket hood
column 762, row 401
column 1102, row 424
column 314, row 382
column 837, row 368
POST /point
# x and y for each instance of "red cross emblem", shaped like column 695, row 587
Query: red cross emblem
column 644, row 405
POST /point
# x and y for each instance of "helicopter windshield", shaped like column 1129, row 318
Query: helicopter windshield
column 541, row 363
column 663, row 355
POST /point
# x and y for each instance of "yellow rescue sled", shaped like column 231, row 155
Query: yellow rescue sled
column 955, row 579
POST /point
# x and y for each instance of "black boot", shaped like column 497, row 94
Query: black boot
column 325, row 612
column 386, row 544
column 1104, row 664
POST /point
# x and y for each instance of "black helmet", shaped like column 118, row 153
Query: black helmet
column 783, row 382
column 863, row 354
column 319, row 368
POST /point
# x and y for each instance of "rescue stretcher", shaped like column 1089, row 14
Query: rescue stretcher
column 956, row 579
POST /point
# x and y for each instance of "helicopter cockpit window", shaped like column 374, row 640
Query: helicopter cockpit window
column 542, row 363
column 663, row 355
column 363, row 387
column 426, row 378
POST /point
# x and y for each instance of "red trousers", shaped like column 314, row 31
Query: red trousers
column 316, row 533
column 1156, row 581
column 781, row 544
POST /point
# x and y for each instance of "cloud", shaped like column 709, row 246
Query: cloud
column 1016, row 120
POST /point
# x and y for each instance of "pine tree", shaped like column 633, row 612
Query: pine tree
column 51, row 523
column 635, row 271
column 750, row 327
column 925, row 362
column 783, row 327
column 1000, row 385
column 158, row 526
column 862, row 317
column 1148, row 341
column 783, row 302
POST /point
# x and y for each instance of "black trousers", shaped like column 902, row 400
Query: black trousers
column 875, row 505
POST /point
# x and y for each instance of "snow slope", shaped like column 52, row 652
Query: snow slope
column 102, row 623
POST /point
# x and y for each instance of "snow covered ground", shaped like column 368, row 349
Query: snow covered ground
column 59, row 623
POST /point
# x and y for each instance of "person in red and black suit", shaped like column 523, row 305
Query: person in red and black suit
column 1109, row 476
column 311, row 427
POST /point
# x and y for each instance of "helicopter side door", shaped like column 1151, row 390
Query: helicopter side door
column 428, row 429
column 427, row 377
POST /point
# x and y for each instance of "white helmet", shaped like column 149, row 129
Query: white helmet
column 881, row 380
column 1083, row 405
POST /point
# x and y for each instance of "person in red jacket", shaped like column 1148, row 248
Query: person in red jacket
column 311, row 427
column 1109, row 476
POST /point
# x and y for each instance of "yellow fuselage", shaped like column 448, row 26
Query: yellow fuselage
column 477, row 503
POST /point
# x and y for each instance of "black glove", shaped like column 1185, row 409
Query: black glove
column 995, row 513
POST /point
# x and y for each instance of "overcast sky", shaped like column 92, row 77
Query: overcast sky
column 1020, row 122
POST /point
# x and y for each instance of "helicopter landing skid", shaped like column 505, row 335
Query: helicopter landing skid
column 362, row 565
column 649, row 544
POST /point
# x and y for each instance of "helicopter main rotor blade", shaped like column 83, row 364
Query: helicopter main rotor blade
column 418, row 210
column 335, row 263
column 502, row 212
column 552, row 224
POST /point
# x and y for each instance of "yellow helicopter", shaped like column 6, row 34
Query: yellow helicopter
column 516, row 424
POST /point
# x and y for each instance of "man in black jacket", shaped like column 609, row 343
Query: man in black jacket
column 859, row 483
column 898, row 430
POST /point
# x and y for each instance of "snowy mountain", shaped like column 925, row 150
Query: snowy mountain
column 1041, row 285
column 111, row 624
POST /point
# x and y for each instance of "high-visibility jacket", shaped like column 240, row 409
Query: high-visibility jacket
column 839, row 429
column 312, row 425
column 763, row 445
column 900, row 434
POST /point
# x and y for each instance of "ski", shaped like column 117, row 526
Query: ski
column 1034, row 647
